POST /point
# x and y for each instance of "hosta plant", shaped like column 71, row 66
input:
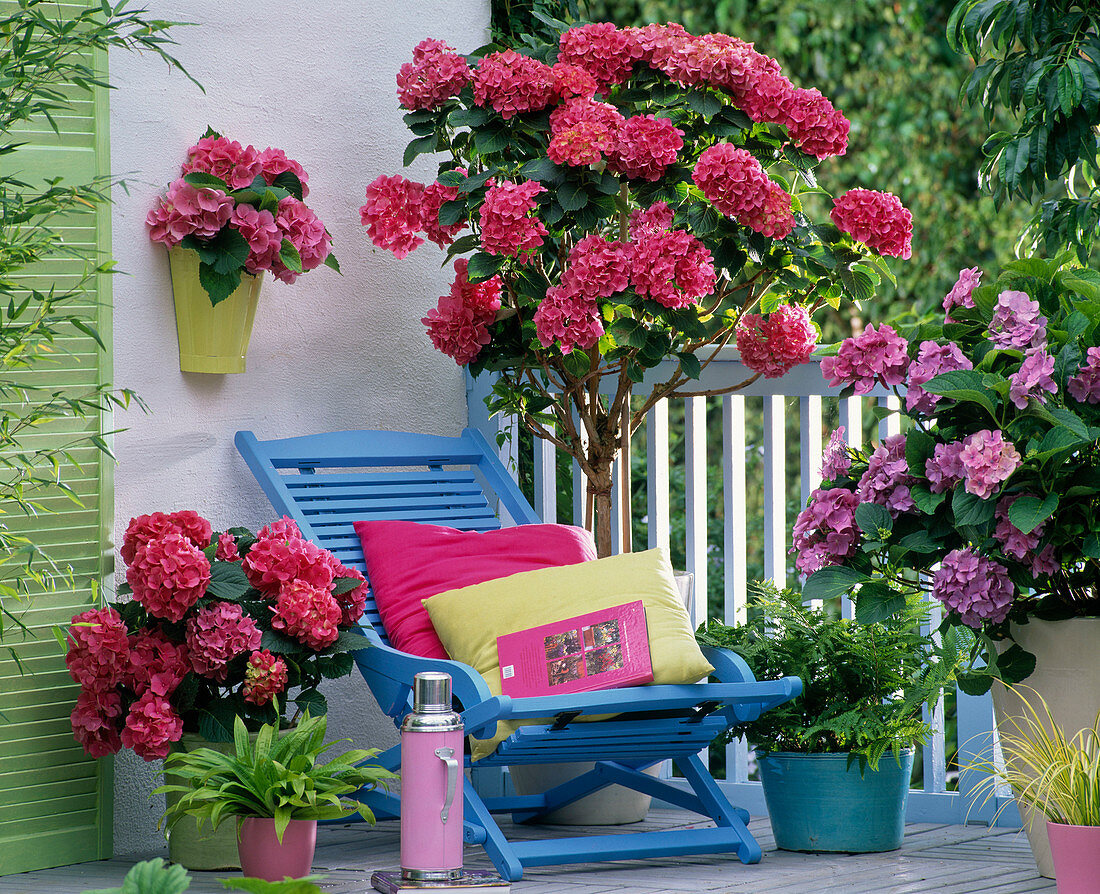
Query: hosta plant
column 620, row 205
column 279, row 775
column 989, row 500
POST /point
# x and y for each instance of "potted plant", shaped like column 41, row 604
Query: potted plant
column 233, row 214
column 1058, row 777
column 219, row 626
column 276, row 787
column 618, row 199
column 835, row 763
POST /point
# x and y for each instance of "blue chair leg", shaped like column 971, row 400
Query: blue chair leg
column 719, row 807
column 482, row 829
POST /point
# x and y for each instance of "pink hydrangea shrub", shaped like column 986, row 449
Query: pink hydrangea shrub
column 644, row 147
column 1017, row 322
column 273, row 561
column 152, row 724
column 392, row 213
column 584, row 143
column 436, row 74
column 735, row 183
column 977, row 588
column 459, row 325
column 649, row 221
column 571, row 320
column 512, row 83
column 597, row 268
column 587, row 111
column 604, row 51
column 235, row 164
column 307, row 613
column 944, row 468
column 825, row 532
column 306, row 233
column 673, row 268
column 168, row 575
column 216, row 635
column 188, row 210
column 768, row 98
column 877, row 219
column 961, row 293
column 94, row 720
column 836, row 459
column 887, row 479
column 572, row 81
column 776, row 344
column 876, row 356
column 152, row 653
column 815, row 126
column 1033, row 380
column 1084, row 386
column 144, row 528
column 988, row 460
column 264, row 678
column 98, row 655
column 932, row 360
column 508, row 224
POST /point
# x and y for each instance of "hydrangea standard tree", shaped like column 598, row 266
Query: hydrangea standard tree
column 628, row 199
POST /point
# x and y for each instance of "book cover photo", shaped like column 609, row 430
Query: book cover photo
column 600, row 650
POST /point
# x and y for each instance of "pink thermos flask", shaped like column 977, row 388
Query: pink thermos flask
column 431, row 784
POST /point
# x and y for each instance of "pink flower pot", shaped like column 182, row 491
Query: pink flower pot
column 1076, row 853
column 263, row 856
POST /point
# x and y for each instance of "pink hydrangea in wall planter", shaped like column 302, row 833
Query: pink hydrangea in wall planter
column 233, row 214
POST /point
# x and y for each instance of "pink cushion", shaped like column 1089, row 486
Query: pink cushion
column 407, row 562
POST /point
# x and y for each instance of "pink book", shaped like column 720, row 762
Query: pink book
column 600, row 650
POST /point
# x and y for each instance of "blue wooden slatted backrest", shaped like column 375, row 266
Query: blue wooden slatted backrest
column 327, row 482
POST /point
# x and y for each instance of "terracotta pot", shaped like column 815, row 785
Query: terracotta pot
column 1067, row 676
column 1076, row 852
column 264, row 856
column 212, row 339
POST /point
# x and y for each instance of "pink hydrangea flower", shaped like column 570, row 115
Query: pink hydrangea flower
column 168, row 575
column 95, row 722
column 572, row 80
column 975, row 587
column 768, row 98
column 988, row 460
column 306, row 233
column 887, row 479
column 961, row 293
column 775, row 345
column 932, row 360
column 1044, row 563
column 944, row 468
column 597, row 268
column 874, row 356
column 644, row 147
column 1017, row 322
column 508, row 224
column 264, row 678
column 274, row 162
column 436, row 74
column 601, row 49
column 658, row 41
column 572, row 320
column 649, row 221
column 815, row 126
column 1032, row 379
column 734, row 182
column 152, row 724
column 98, row 654
column 584, row 143
column 152, row 653
column 459, row 325
column 226, row 550
column 216, row 635
column 307, row 613
column 589, row 111
column 836, row 460
column 144, row 528
column 1013, row 542
column 1084, row 386
column 673, row 268
column 274, row 561
column 877, row 219
column 392, row 213
column 512, row 83
column 825, row 532
column 188, row 210
column 235, row 164
column 435, row 195
column 283, row 529
column 262, row 233
column 353, row 602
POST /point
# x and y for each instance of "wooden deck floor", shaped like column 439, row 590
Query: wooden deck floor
column 942, row 859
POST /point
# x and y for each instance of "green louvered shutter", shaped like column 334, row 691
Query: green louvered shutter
column 56, row 803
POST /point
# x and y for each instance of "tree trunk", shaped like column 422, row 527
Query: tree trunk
column 599, row 499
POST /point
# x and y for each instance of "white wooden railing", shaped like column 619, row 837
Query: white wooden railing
column 774, row 402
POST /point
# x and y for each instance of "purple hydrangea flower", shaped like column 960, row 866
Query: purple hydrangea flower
column 975, row 587
column 875, row 356
column 1017, row 322
column 1085, row 386
column 943, row 468
column 835, row 460
column 932, row 359
column 1044, row 563
column 988, row 460
column 825, row 532
column 887, row 479
column 1014, row 543
column 1032, row 378
column 960, row 294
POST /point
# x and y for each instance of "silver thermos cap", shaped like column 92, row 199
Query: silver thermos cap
column 432, row 693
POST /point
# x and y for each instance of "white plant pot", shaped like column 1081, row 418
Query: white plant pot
column 1067, row 676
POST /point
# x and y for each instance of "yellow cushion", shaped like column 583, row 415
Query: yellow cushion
column 469, row 620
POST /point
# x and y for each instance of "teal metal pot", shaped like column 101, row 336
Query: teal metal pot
column 816, row 803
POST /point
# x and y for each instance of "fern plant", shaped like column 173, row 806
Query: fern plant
column 864, row 684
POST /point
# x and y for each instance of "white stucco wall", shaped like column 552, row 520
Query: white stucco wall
column 330, row 351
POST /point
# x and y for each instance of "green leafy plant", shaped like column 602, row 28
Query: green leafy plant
column 864, row 684
column 279, row 775
column 1056, row 775
column 157, row 877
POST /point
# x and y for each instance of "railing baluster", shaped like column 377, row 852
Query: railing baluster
column 889, row 425
column 580, row 483
column 935, row 750
column 657, row 501
column 546, row 480
column 851, row 417
column 617, row 506
column 735, row 547
column 775, row 490
column 695, row 508
column 810, row 447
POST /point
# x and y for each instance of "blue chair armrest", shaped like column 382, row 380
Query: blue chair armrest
column 729, row 667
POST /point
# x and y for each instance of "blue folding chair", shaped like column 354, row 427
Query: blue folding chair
column 326, row 482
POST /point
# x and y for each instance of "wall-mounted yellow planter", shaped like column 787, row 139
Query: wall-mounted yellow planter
column 212, row 339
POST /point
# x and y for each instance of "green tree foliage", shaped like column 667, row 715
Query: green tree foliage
column 1040, row 61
